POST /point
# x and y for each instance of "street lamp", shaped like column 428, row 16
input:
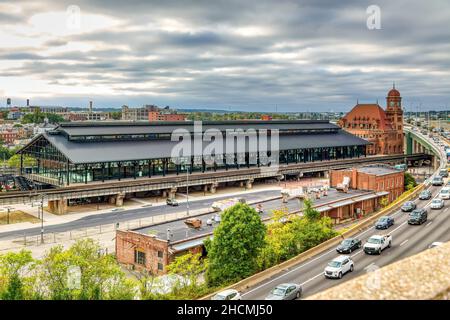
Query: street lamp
column 187, row 189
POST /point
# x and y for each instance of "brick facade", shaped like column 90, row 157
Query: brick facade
column 382, row 128
column 390, row 182
column 156, row 251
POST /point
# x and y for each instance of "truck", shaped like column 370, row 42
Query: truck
column 377, row 243
column 222, row 205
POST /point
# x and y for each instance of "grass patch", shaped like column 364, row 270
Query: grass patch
column 17, row 217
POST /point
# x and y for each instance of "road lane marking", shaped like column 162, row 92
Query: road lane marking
column 290, row 271
column 309, row 280
column 398, row 227
column 404, row 242
column 429, row 223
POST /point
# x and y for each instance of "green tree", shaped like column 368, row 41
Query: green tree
column 14, row 161
column 15, row 275
column 116, row 115
column 409, row 181
column 101, row 276
column 309, row 212
column 234, row 249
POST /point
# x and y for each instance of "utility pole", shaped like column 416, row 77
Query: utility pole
column 187, row 190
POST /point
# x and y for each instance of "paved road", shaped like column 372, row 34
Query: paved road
column 407, row 240
column 133, row 214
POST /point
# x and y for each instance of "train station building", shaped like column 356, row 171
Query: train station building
column 82, row 153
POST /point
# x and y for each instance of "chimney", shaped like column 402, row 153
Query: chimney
column 28, row 102
column 90, row 106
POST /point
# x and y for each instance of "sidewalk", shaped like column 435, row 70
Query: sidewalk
column 52, row 219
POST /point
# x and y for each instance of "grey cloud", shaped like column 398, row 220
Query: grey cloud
column 316, row 56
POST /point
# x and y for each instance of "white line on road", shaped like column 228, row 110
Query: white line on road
column 309, row 280
column 429, row 223
column 404, row 242
column 398, row 227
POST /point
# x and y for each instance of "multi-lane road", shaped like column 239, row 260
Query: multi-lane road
column 138, row 213
column 407, row 240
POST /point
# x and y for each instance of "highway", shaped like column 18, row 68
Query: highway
column 407, row 240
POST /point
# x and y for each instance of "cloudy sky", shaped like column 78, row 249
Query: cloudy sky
column 234, row 55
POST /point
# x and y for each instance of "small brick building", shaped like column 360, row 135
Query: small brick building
column 375, row 178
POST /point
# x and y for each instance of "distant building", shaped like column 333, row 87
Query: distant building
column 383, row 129
column 375, row 178
column 151, row 113
column 49, row 109
column 138, row 114
column 159, row 116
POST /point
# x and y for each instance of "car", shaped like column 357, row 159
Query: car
column 349, row 245
column 408, row 206
column 437, row 181
column 435, row 244
column 384, row 222
column 418, row 216
column 285, row 291
column 443, row 173
column 230, row 294
column 377, row 243
column 172, row 202
column 437, row 204
column 425, row 195
column 445, row 193
column 339, row 266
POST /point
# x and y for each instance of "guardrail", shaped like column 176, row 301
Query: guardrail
column 263, row 275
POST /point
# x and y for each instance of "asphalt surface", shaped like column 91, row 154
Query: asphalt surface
column 407, row 240
column 180, row 231
column 132, row 214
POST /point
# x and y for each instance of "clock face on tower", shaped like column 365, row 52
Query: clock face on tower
column 392, row 103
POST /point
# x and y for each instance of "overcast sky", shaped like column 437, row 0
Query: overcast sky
column 316, row 55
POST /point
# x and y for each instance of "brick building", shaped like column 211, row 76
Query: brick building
column 159, row 116
column 382, row 128
column 375, row 178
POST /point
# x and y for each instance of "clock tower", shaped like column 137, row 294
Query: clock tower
column 394, row 113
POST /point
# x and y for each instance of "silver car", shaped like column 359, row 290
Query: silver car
column 437, row 204
column 285, row 291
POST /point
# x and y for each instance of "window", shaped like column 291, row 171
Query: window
column 139, row 257
column 160, row 266
column 160, row 254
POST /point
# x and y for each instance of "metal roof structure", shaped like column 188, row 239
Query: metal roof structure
column 317, row 134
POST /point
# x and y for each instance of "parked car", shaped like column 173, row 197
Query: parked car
column 445, row 193
column 349, row 245
column 285, row 291
column 384, row 222
column 377, row 243
column 418, row 216
column 339, row 266
column 408, row 206
column 229, row 294
column 437, row 181
column 437, row 204
column 425, row 195
column 172, row 202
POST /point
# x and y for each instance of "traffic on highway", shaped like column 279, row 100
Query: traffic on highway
column 419, row 224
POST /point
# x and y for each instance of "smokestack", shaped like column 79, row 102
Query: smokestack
column 28, row 102
column 90, row 106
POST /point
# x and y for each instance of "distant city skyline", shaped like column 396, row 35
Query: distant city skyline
column 269, row 56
